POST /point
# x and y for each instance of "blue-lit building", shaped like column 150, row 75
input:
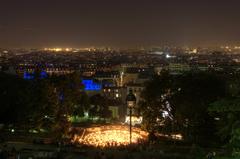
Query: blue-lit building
column 28, row 75
column 43, row 74
column 91, row 85
column 32, row 75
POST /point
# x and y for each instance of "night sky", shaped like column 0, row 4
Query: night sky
column 118, row 23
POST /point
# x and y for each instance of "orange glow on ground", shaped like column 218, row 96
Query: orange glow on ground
column 112, row 135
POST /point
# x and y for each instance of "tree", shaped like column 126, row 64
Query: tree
column 155, row 105
column 104, row 112
column 15, row 97
column 184, row 100
column 227, row 111
column 99, row 107
column 45, row 102
column 196, row 91
column 70, row 98
column 55, row 100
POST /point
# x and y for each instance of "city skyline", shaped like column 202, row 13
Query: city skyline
column 118, row 24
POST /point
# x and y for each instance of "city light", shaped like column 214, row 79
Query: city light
column 168, row 56
column 57, row 49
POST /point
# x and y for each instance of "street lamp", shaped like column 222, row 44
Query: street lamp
column 131, row 101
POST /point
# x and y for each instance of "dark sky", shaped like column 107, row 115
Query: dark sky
column 118, row 23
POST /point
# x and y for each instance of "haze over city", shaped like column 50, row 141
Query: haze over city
column 112, row 23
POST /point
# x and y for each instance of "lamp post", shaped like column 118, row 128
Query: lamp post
column 131, row 101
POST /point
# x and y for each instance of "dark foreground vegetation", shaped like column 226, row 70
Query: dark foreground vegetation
column 204, row 107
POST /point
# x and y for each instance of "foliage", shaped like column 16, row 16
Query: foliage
column 99, row 107
column 44, row 103
column 191, row 102
column 228, row 111
column 189, row 96
column 14, row 97
column 155, row 101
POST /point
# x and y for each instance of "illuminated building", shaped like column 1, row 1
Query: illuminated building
column 118, row 93
column 90, row 85
column 108, row 78
column 32, row 75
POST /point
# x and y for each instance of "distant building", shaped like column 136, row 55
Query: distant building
column 178, row 68
column 109, row 78
column 117, row 96
column 91, row 86
column 137, row 91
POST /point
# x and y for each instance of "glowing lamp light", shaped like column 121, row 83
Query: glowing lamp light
column 131, row 99
column 135, row 120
